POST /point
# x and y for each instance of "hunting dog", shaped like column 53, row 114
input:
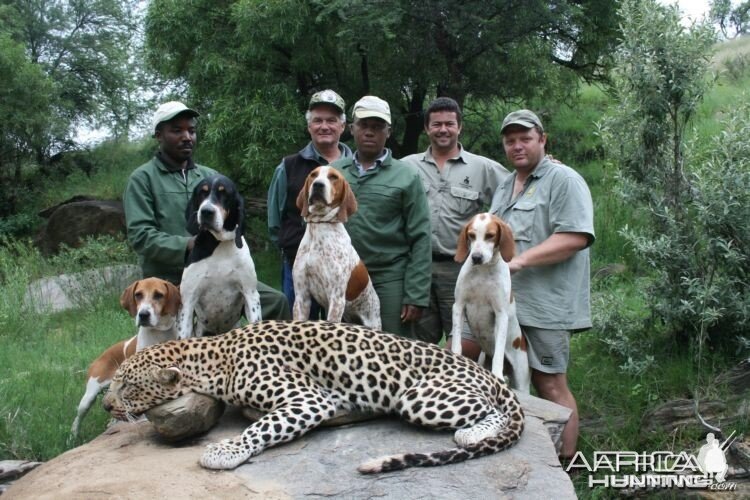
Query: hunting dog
column 154, row 303
column 327, row 267
column 483, row 294
column 219, row 279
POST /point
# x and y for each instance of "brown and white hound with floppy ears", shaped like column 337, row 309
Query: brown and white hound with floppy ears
column 154, row 303
column 327, row 267
column 483, row 293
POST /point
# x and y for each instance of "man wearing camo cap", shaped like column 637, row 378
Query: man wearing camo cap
column 548, row 206
column 326, row 120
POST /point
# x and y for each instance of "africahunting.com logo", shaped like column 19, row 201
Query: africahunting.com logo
column 659, row 469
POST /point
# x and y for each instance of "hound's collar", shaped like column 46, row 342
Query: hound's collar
column 328, row 218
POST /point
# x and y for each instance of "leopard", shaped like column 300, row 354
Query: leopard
column 299, row 374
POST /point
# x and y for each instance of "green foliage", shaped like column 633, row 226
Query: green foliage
column 692, row 241
column 255, row 64
column 733, row 21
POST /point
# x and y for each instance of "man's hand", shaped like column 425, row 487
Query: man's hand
column 191, row 244
column 410, row 313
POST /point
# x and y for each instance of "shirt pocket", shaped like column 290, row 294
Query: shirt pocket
column 465, row 200
column 522, row 220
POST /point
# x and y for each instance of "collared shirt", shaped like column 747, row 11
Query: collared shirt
column 554, row 199
column 379, row 161
column 391, row 228
column 463, row 188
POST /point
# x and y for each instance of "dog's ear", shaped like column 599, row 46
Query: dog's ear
column 348, row 203
column 236, row 219
column 127, row 299
column 462, row 248
column 302, row 196
column 167, row 376
column 191, row 212
column 172, row 300
column 505, row 242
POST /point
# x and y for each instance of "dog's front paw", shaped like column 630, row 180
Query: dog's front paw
column 225, row 454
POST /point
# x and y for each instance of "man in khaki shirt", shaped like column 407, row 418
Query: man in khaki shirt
column 459, row 185
column 548, row 205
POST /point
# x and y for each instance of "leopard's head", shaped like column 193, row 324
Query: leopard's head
column 145, row 380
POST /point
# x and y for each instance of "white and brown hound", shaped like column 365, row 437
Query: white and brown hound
column 327, row 267
column 154, row 303
column 219, row 279
column 483, row 293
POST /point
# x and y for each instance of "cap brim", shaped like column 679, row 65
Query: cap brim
column 522, row 123
column 324, row 103
column 372, row 114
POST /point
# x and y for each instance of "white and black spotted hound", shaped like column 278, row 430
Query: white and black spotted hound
column 219, row 279
column 327, row 267
column 483, row 293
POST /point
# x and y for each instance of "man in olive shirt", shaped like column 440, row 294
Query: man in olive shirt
column 157, row 196
column 459, row 185
column 548, row 205
column 391, row 229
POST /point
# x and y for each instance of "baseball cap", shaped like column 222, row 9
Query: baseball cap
column 327, row 96
column 524, row 118
column 169, row 110
column 372, row 107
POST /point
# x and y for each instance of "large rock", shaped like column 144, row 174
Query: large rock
column 132, row 461
column 70, row 223
column 75, row 290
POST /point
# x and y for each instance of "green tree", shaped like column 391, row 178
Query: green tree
column 691, row 242
column 253, row 65
column 25, row 96
column 732, row 21
column 83, row 46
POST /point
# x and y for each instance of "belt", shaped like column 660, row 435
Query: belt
column 441, row 257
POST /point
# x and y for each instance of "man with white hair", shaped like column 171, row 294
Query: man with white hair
column 326, row 120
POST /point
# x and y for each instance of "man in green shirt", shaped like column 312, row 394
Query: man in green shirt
column 548, row 206
column 157, row 196
column 391, row 229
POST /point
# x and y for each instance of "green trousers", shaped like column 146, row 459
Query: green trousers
column 273, row 303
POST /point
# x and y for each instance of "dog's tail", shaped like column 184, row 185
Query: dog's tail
column 509, row 434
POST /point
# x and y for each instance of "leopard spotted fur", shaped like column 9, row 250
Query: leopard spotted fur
column 301, row 373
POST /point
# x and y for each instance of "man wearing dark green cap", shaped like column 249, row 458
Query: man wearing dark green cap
column 548, row 206
column 157, row 195
column 326, row 120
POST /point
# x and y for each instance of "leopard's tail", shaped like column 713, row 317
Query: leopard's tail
column 507, row 437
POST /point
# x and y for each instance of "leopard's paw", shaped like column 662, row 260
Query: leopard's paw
column 226, row 454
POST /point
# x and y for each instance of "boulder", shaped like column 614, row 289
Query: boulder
column 131, row 460
column 71, row 222
column 68, row 291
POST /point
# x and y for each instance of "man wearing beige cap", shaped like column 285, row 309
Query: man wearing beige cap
column 326, row 120
column 548, row 206
column 391, row 229
column 157, row 195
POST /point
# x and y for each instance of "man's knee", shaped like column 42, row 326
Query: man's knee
column 550, row 386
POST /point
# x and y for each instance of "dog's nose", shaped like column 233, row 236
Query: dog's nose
column 207, row 213
column 143, row 316
column 476, row 258
column 318, row 185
